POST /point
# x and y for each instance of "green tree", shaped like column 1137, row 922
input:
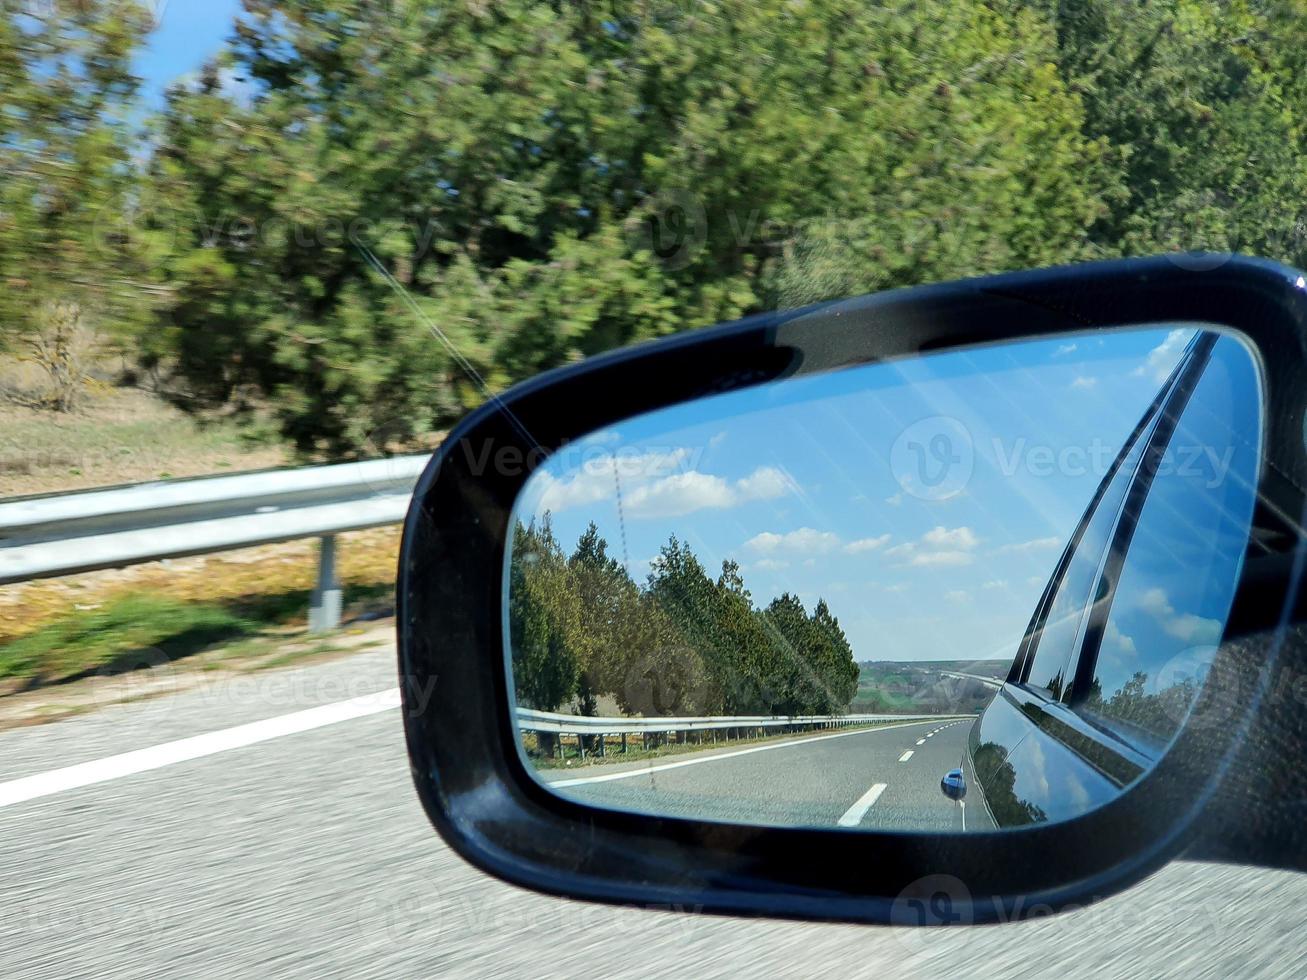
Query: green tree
column 663, row 673
column 1197, row 105
column 608, row 612
column 543, row 617
column 787, row 673
column 545, row 181
column 952, row 148
column 838, row 668
column 742, row 642
column 811, row 667
column 685, row 644
column 73, row 275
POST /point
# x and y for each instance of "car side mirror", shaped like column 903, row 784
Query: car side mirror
column 954, row 785
column 699, row 622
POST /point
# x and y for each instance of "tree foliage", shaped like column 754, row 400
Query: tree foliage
column 67, row 273
column 1197, row 104
column 545, row 181
column 684, row 644
column 365, row 214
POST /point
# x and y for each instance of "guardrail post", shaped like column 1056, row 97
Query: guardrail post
column 325, row 603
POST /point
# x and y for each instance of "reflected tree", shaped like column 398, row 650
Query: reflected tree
column 685, row 644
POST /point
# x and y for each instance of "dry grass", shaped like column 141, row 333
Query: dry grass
column 122, row 435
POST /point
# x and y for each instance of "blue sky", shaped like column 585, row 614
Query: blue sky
column 926, row 500
column 188, row 33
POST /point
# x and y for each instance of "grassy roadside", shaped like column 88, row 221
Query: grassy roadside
column 637, row 753
column 138, row 630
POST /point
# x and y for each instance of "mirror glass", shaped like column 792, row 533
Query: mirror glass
column 967, row 591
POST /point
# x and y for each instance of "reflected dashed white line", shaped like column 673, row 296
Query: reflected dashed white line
column 854, row 814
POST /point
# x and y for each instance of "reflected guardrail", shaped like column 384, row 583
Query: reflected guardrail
column 597, row 728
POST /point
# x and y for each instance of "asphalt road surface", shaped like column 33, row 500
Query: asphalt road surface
column 295, row 847
column 884, row 778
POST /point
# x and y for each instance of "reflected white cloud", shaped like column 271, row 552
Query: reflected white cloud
column 863, row 545
column 1186, row 627
column 1163, row 358
column 805, row 540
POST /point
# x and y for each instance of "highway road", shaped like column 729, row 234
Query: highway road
column 886, row 778
column 296, row 848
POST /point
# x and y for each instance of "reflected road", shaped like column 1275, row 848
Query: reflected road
column 881, row 778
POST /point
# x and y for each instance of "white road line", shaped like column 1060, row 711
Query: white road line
column 169, row 753
column 905, row 756
column 854, row 814
column 699, row 760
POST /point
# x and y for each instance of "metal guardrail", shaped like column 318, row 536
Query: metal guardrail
column 45, row 537
column 530, row 720
column 991, row 682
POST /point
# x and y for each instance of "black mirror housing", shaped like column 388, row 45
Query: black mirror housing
column 1214, row 795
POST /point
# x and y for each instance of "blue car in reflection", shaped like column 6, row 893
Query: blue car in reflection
column 1117, row 651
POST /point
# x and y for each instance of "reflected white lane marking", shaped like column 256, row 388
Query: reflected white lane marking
column 854, row 814
column 169, row 753
column 700, row 760
column 905, row 756
column 921, row 741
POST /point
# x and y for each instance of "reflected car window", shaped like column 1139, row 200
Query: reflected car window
column 1052, row 669
column 1177, row 583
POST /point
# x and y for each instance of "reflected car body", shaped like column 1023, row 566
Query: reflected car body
column 1115, row 657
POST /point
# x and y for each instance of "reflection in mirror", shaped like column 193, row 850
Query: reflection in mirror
column 968, row 591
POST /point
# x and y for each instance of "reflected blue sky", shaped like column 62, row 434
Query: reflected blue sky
column 926, row 500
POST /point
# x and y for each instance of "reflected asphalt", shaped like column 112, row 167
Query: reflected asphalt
column 812, row 781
